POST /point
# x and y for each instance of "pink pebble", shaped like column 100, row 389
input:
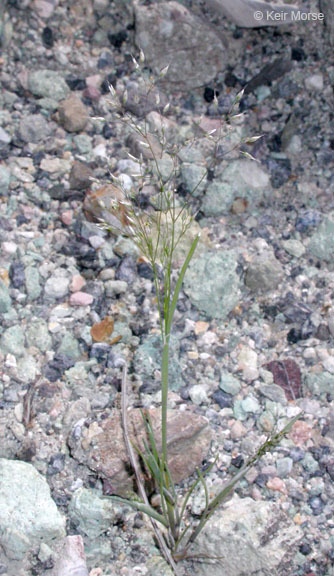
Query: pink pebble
column 77, row 283
column 277, row 485
column 66, row 217
column 92, row 93
column 81, row 299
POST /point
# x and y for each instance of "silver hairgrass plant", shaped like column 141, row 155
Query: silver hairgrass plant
column 157, row 233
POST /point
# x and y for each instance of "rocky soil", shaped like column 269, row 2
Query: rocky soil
column 253, row 342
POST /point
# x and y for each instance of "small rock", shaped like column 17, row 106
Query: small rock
column 5, row 138
column 284, row 467
column 13, row 341
column 315, row 82
column 264, row 273
column 69, row 347
column 67, row 217
column 321, row 244
column 247, row 363
column 80, row 176
column 115, row 288
column 34, row 128
column 17, row 274
column 56, row 286
column 237, row 430
column 37, row 335
column 274, row 393
column 223, row 399
column 48, row 84
column 277, row 485
column 229, row 383
column 32, row 279
column 5, row 299
column 320, row 383
column 77, row 283
column 81, row 299
column 70, row 558
column 250, row 405
column 44, row 8
column 4, row 179
column 212, row 284
column 294, row 247
column 198, row 394
column 73, row 114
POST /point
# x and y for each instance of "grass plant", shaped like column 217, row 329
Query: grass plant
column 158, row 232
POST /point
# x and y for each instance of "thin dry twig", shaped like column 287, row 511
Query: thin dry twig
column 134, row 463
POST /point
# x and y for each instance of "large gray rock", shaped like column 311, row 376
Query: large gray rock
column 250, row 537
column 169, row 34
column 212, row 284
column 254, row 13
column 28, row 515
column 91, row 513
column 34, row 128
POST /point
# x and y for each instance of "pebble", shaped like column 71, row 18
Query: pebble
column 115, row 288
column 284, row 467
column 73, row 114
column 81, row 299
column 13, row 341
column 277, row 485
column 32, row 280
column 250, row 405
column 47, row 84
column 56, row 286
column 247, row 363
column 77, row 283
column 80, row 176
column 315, row 82
column 5, row 178
column 34, row 128
column 5, row 300
column 229, row 383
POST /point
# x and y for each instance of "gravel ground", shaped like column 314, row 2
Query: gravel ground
column 254, row 331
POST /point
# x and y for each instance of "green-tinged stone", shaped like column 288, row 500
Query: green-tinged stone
column 238, row 411
column 32, row 282
column 4, row 180
column 309, row 463
column 12, row 341
column 91, row 513
column 5, row 300
column 48, row 84
column 27, row 369
column 37, row 335
column 229, row 383
column 148, row 360
column 266, row 421
column 69, row 346
column 194, row 178
column 212, row 284
column 320, row 383
column 321, row 244
column 250, row 404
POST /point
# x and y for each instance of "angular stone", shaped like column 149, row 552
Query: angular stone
column 321, row 244
column 73, row 114
column 249, row 537
column 148, row 360
column 34, row 128
column 320, row 383
column 264, row 273
column 81, row 176
column 33, row 286
column 242, row 179
column 102, row 447
column 212, row 284
column 12, row 341
column 48, row 84
column 171, row 35
column 5, row 300
column 37, row 335
column 4, row 180
column 70, row 558
column 28, row 515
